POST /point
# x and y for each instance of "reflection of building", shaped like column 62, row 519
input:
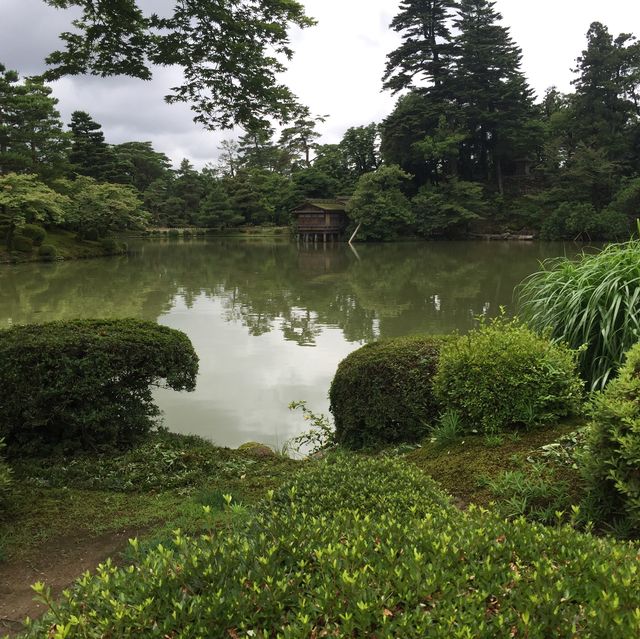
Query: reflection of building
column 321, row 220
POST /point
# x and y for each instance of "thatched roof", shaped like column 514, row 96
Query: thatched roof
column 324, row 205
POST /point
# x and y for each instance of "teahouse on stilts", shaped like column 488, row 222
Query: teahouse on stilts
column 321, row 220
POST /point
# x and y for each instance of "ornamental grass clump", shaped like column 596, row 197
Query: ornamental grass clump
column 357, row 547
column 86, row 384
column 594, row 300
column 611, row 464
column 382, row 393
column 502, row 375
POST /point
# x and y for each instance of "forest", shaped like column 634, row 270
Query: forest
column 468, row 149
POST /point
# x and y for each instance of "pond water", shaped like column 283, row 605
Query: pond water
column 271, row 320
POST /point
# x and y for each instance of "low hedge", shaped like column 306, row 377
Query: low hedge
column 86, row 383
column 361, row 548
column 382, row 393
column 612, row 461
column 502, row 374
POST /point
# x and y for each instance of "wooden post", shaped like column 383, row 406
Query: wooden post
column 355, row 233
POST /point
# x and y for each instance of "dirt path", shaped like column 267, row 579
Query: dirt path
column 63, row 561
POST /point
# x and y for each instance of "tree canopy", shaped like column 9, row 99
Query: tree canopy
column 231, row 52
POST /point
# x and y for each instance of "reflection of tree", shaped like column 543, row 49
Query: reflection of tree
column 393, row 289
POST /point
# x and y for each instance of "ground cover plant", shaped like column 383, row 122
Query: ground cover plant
column 594, row 300
column 361, row 547
column 86, row 384
column 382, row 393
column 502, row 374
column 158, row 485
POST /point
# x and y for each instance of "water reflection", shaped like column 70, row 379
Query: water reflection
column 249, row 306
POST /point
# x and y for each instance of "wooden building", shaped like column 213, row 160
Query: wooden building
column 321, row 220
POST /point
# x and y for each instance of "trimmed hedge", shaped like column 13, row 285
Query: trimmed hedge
column 34, row 232
column 362, row 548
column 502, row 374
column 382, row 393
column 48, row 252
column 612, row 462
column 86, row 383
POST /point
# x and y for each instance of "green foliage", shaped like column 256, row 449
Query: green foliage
column 448, row 429
column 48, row 252
column 534, row 493
column 382, row 393
column 580, row 221
column 5, row 475
column 24, row 199
column 593, row 300
column 449, row 208
column 227, row 81
column 321, row 435
column 86, row 383
column 612, row 461
column 379, row 204
column 110, row 245
column 502, row 374
column 357, row 547
column 34, row 232
column 22, row 244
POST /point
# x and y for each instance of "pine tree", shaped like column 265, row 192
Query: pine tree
column 491, row 90
column 426, row 52
column 32, row 139
column 607, row 96
column 90, row 154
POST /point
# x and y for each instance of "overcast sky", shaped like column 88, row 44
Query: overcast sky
column 336, row 69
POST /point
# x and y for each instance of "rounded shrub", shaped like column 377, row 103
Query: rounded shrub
column 22, row 244
column 382, row 393
column 92, row 235
column 35, row 233
column 612, row 461
column 503, row 374
column 48, row 252
column 86, row 384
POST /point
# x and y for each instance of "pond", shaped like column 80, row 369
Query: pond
column 271, row 320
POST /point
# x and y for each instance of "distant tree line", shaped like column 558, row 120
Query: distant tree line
column 467, row 148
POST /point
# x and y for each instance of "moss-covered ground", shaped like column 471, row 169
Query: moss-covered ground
column 466, row 467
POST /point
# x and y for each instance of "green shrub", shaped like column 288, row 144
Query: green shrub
column 48, row 252
column 92, row 235
column 5, row 476
column 594, row 300
column 361, row 548
column 22, row 244
column 382, row 394
column 34, row 232
column 503, row 374
column 86, row 383
column 612, row 461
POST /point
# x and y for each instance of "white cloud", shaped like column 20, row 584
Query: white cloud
column 336, row 70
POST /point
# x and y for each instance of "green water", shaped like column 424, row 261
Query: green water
column 270, row 321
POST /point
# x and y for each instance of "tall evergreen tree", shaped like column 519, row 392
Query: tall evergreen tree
column 90, row 154
column 607, row 96
column 32, row 139
column 426, row 52
column 491, row 89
